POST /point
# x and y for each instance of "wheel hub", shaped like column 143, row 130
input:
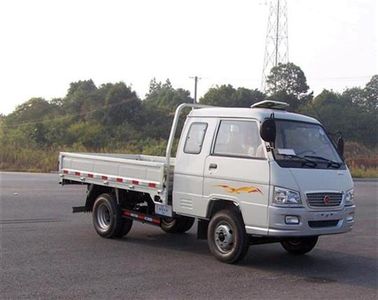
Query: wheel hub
column 103, row 217
column 224, row 238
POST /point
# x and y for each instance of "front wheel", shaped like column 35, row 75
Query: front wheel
column 299, row 246
column 107, row 218
column 226, row 235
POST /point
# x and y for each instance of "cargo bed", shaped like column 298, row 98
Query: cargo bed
column 142, row 173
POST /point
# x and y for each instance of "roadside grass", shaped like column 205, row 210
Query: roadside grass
column 364, row 173
column 362, row 161
column 28, row 159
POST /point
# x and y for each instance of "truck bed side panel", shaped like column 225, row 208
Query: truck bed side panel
column 136, row 172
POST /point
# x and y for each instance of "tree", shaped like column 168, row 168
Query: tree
column 355, row 95
column 39, row 134
column 371, row 94
column 338, row 113
column 81, row 87
column 246, row 97
column 287, row 82
column 35, row 109
column 159, row 106
column 165, row 97
column 366, row 98
column 122, row 105
column 228, row 96
column 90, row 135
column 219, row 96
column 288, row 78
column 80, row 98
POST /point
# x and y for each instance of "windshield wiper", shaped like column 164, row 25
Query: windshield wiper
column 331, row 163
column 305, row 161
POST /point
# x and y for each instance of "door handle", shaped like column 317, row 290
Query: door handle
column 213, row 166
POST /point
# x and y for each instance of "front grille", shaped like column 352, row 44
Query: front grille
column 319, row 224
column 324, row 199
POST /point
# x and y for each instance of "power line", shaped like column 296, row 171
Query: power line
column 342, row 77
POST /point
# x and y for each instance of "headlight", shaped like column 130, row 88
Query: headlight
column 349, row 196
column 285, row 197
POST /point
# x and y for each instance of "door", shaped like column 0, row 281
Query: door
column 193, row 148
column 237, row 169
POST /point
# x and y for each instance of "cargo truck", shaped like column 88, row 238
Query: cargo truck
column 248, row 175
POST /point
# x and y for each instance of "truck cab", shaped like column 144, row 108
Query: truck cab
column 295, row 185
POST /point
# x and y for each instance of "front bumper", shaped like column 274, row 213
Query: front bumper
column 319, row 222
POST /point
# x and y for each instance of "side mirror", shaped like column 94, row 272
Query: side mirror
column 268, row 131
column 340, row 146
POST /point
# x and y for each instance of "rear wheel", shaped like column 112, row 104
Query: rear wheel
column 299, row 246
column 226, row 235
column 107, row 218
column 179, row 224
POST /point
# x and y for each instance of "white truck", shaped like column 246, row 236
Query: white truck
column 249, row 175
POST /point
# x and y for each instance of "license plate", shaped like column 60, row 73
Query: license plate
column 163, row 210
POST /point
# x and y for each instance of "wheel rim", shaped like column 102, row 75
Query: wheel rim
column 294, row 243
column 103, row 217
column 167, row 220
column 224, row 237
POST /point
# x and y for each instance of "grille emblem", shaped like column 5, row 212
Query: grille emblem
column 326, row 199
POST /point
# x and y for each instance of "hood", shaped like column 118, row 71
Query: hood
column 311, row 180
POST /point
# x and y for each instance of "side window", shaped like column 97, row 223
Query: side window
column 195, row 137
column 239, row 138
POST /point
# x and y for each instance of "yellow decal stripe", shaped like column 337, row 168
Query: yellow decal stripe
column 243, row 189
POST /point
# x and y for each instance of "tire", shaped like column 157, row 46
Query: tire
column 226, row 236
column 299, row 246
column 179, row 224
column 107, row 218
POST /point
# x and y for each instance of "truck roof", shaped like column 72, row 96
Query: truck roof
column 259, row 114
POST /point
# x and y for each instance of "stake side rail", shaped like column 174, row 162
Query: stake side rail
column 135, row 172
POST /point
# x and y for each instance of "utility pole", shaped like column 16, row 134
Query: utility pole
column 196, row 78
column 276, row 41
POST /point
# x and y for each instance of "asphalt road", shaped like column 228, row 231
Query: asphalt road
column 47, row 252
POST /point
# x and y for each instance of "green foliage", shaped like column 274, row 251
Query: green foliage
column 338, row 112
column 80, row 98
column 288, row 83
column 366, row 98
column 371, row 94
column 288, row 78
column 111, row 118
column 165, row 97
column 121, row 105
column 89, row 135
column 228, row 96
column 32, row 110
column 159, row 106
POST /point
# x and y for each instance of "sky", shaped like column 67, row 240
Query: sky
column 46, row 45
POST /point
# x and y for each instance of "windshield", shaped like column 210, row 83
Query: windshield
column 305, row 143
